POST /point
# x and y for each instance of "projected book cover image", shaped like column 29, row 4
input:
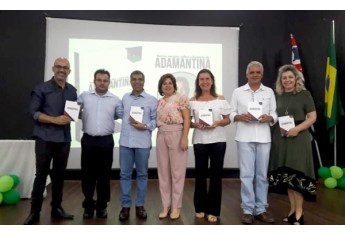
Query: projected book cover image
column 154, row 59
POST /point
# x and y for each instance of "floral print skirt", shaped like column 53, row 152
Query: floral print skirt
column 285, row 178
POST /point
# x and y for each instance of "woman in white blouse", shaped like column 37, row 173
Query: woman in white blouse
column 211, row 113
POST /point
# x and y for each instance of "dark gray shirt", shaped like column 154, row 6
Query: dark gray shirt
column 49, row 98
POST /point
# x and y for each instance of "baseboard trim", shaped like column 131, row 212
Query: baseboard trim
column 75, row 174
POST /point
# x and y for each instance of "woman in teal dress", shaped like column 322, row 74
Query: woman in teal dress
column 291, row 168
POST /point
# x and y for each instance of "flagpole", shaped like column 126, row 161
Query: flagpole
column 335, row 126
column 335, row 145
column 296, row 61
column 333, row 32
column 317, row 147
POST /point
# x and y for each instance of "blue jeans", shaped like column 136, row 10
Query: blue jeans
column 253, row 159
column 128, row 158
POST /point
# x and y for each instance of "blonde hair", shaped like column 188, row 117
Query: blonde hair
column 299, row 86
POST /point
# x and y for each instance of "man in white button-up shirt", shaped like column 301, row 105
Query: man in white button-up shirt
column 253, row 110
column 100, row 108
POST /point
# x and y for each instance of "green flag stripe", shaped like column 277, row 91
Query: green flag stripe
column 333, row 107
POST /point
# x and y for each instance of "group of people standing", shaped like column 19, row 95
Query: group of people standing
column 174, row 114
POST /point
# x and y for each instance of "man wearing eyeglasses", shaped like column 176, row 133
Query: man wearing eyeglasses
column 52, row 138
column 138, row 122
column 99, row 110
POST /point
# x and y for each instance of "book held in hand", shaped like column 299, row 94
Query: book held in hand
column 255, row 109
column 286, row 123
column 72, row 110
column 136, row 114
column 206, row 117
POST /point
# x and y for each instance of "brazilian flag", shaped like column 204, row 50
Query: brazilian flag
column 333, row 107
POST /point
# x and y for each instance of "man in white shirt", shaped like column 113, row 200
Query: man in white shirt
column 253, row 109
column 99, row 110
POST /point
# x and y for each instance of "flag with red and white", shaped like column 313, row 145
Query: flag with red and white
column 296, row 61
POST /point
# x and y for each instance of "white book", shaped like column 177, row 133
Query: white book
column 255, row 109
column 286, row 123
column 72, row 110
column 206, row 117
column 136, row 114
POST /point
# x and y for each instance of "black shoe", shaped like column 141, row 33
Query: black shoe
column 124, row 213
column 59, row 213
column 299, row 221
column 32, row 219
column 88, row 213
column 141, row 212
column 102, row 213
column 290, row 218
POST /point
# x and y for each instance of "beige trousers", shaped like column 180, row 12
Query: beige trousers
column 171, row 165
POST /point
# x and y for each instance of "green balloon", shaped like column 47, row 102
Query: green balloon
column 324, row 172
column 343, row 171
column 6, row 183
column 16, row 180
column 11, row 197
column 1, row 198
column 330, row 182
column 341, row 183
column 336, row 172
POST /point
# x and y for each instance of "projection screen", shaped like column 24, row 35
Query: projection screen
column 121, row 48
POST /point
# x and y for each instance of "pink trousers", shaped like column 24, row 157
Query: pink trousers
column 171, row 165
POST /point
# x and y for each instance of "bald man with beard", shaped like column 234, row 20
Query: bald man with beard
column 52, row 134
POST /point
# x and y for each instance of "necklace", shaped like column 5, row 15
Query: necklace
column 287, row 107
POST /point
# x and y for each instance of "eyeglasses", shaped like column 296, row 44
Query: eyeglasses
column 61, row 67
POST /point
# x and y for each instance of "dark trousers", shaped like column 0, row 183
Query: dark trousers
column 45, row 153
column 96, row 162
column 209, row 160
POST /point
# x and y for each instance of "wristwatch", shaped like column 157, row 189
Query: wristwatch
column 145, row 126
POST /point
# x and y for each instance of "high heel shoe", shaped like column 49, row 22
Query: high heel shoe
column 175, row 214
column 290, row 218
column 300, row 221
column 164, row 213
